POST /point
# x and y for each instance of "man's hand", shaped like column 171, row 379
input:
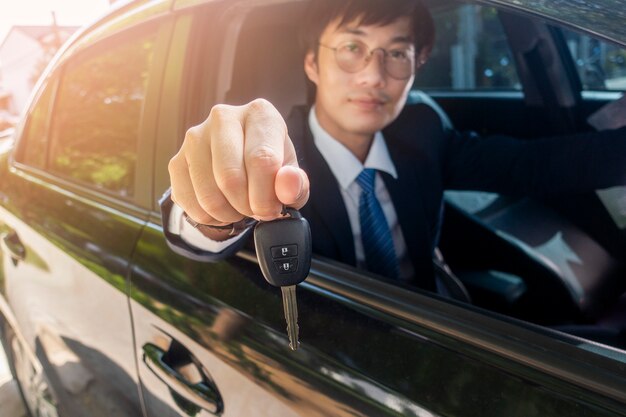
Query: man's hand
column 238, row 162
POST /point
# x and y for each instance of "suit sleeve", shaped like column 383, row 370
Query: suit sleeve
column 565, row 164
column 189, row 241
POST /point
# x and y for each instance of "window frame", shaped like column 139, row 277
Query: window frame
column 142, row 198
column 197, row 63
column 48, row 84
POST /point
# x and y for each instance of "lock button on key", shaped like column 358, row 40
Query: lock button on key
column 287, row 266
column 285, row 251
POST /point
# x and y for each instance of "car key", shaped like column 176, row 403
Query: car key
column 283, row 247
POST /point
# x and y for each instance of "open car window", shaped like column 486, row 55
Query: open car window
column 529, row 265
column 601, row 66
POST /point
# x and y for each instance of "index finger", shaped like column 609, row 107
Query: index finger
column 264, row 154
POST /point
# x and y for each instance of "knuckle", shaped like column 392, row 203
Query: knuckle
column 246, row 213
column 220, row 112
column 264, row 157
column 175, row 164
column 266, row 208
column 265, row 113
column 210, row 204
column 183, row 200
column 260, row 105
column 231, row 179
column 192, row 134
column 219, row 209
column 231, row 218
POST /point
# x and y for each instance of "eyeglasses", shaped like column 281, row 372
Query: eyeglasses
column 353, row 56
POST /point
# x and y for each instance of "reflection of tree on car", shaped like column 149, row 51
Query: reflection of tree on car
column 111, row 84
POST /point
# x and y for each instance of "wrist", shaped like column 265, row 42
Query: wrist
column 221, row 233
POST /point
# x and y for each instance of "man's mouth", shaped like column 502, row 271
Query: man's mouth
column 368, row 102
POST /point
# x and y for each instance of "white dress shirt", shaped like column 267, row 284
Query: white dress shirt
column 346, row 168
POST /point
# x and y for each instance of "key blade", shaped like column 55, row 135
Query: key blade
column 291, row 315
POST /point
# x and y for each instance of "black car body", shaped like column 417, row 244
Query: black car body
column 100, row 317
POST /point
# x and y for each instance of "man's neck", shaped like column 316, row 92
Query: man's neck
column 358, row 144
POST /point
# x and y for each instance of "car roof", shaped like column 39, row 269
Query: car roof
column 604, row 18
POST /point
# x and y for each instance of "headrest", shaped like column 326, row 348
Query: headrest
column 269, row 65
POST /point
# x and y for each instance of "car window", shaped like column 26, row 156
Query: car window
column 32, row 148
column 600, row 65
column 98, row 112
column 509, row 272
column 471, row 52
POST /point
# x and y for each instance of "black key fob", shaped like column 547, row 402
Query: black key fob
column 283, row 247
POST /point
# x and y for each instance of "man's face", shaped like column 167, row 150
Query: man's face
column 353, row 106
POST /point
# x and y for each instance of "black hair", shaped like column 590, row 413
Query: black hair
column 368, row 12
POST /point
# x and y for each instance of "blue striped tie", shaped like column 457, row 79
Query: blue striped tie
column 380, row 254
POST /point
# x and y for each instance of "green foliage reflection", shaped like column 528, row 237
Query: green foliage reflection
column 97, row 118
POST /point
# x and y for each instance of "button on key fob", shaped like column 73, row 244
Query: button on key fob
column 283, row 247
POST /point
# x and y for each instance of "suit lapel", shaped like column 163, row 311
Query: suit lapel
column 407, row 194
column 327, row 213
column 325, row 210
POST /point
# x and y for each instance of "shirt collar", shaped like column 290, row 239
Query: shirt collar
column 343, row 164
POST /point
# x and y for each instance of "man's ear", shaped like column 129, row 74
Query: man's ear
column 311, row 67
column 422, row 57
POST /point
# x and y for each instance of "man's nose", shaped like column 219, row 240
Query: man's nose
column 374, row 72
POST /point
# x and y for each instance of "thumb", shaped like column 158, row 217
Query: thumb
column 292, row 186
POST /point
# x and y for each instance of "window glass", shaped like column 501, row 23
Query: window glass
column 600, row 65
column 95, row 130
column 32, row 148
column 471, row 52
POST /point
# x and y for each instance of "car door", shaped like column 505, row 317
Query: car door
column 211, row 338
column 73, row 204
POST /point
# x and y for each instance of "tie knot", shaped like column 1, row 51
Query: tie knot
column 366, row 180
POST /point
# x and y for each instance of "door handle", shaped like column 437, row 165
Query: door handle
column 203, row 394
column 13, row 245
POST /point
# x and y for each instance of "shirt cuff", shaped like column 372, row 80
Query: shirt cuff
column 192, row 236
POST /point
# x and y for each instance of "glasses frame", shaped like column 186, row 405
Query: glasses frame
column 368, row 58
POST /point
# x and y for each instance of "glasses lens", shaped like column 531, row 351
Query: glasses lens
column 352, row 56
column 400, row 63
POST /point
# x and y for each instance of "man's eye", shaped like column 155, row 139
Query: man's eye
column 354, row 48
column 399, row 54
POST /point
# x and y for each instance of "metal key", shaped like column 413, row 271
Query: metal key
column 283, row 247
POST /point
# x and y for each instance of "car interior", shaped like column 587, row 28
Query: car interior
column 558, row 261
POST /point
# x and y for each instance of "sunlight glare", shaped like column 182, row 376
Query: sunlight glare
column 39, row 12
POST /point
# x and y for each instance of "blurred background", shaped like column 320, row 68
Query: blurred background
column 31, row 31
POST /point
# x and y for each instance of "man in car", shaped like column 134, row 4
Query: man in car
column 373, row 174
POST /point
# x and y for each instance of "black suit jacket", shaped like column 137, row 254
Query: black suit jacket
column 430, row 158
